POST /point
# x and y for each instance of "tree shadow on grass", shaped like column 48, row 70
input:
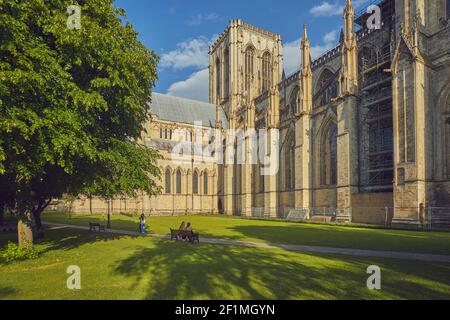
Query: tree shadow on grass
column 6, row 291
column 68, row 239
column 337, row 237
column 117, row 222
column 179, row 271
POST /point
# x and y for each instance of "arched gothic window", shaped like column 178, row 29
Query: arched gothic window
column 329, row 155
column 289, row 163
column 448, row 9
column 447, row 131
column 227, row 74
column 218, row 80
column 205, row 183
column 266, row 71
column 195, row 183
column 178, row 182
column 249, row 66
column 326, row 89
column 295, row 108
column 168, row 177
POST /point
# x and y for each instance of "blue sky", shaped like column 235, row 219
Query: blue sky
column 181, row 31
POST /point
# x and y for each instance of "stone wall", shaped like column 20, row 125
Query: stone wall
column 372, row 208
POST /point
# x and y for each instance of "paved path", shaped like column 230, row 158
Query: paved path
column 299, row 248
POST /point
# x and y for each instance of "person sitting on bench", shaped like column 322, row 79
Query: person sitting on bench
column 182, row 227
column 188, row 234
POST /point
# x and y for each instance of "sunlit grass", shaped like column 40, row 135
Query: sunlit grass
column 281, row 232
column 120, row 267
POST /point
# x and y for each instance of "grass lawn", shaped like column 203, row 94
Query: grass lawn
column 281, row 232
column 122, row 267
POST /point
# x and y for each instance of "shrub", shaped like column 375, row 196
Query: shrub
column 13, row 252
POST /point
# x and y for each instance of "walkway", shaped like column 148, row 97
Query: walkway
column 299, row 248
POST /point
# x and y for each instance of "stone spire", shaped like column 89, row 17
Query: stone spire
column 305, row 95
column 349, row 21
column 349, row 53
column 306, row 50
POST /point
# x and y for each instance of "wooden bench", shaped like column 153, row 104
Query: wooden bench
column 184, row 235
column 7, row 227
column 96, row 226
column 323, row 218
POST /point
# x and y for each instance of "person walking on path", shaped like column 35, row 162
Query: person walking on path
column 142, row 224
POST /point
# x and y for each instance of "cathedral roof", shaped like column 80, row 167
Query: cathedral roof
column 181, row 110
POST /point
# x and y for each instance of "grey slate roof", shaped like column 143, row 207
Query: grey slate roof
column 175, row 109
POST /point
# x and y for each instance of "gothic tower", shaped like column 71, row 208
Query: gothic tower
column 245, row 63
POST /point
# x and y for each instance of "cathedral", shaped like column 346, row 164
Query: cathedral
column 364, row 129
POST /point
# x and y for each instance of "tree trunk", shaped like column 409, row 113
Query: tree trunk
column 24, row 230
column 38, row 224
column 37, row 219
column 37, row 214
column 24, row 208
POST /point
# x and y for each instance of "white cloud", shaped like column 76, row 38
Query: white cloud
column 195, row 87
column 291, row 56
column 331, row 36
column 200, row 18
column 328, row 9
column 292, row 51
column 191, row 53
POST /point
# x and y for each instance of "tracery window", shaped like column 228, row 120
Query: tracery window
column 326, row 88
column 329, row 155
column 448, row 9
column 178, row 182
column 227, row 74
column 205, row 183
column 168, row 177
column 295, row 108
column 447, row 131
column 289, row 163
column 195, row 183
column 218, row 80
column 249, row 66
column 266, row 71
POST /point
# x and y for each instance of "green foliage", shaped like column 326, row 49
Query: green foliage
column 13, row 252
column 73, row 103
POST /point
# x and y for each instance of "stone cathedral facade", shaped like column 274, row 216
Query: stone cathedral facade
column 364, row 128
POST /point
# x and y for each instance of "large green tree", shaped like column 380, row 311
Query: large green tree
column 73, row 103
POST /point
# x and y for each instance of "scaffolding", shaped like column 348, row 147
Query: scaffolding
column 376, row 87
